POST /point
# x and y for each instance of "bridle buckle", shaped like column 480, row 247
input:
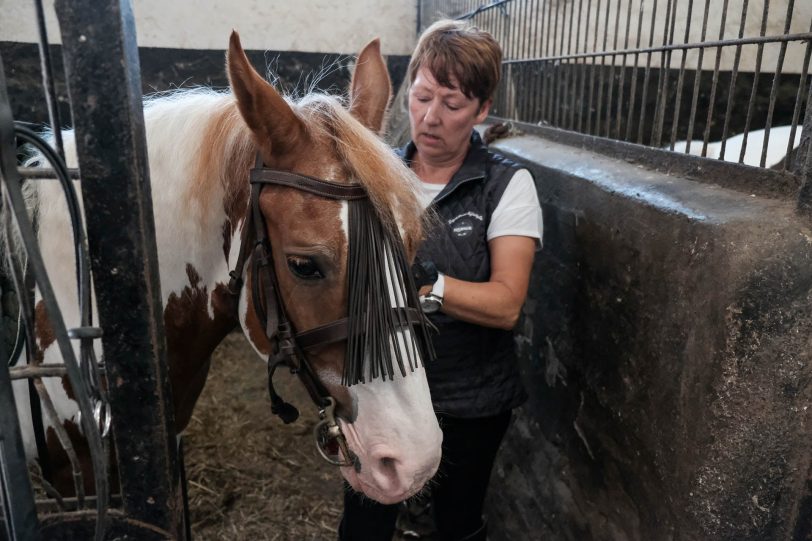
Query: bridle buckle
column 327, row 433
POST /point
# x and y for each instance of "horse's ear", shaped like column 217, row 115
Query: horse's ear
column 266, row 113
column 371, row 88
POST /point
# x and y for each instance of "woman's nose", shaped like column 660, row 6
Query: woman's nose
column 431, row 116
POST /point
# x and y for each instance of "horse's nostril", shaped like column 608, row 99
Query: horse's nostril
column 386, row 471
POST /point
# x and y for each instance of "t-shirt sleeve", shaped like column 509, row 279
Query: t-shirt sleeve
column 519, row 211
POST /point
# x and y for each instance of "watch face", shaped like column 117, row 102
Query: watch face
column 430, row 304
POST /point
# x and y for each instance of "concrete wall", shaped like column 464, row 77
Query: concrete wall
column 665, row 346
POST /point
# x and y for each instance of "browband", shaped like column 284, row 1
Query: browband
column 324, row 188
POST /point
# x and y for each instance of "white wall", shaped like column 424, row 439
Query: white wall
column 328, row 26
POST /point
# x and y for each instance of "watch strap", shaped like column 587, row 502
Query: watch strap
column 438, row 289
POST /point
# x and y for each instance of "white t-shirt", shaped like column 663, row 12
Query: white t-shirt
column 518, row 212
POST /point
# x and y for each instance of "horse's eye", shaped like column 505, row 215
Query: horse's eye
column 304, row 267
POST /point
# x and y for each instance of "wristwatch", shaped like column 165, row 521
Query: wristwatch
column 433, row 301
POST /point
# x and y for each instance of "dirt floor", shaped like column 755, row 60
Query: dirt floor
column 250, row 476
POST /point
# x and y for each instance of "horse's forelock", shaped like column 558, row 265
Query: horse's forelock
column 391, row 185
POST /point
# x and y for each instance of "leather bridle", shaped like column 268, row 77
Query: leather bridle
column 289, row 347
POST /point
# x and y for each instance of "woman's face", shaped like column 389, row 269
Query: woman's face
column 442, row 118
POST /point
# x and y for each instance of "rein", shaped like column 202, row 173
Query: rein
column 289, row 348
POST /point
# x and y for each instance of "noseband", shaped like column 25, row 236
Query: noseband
column 290, row 348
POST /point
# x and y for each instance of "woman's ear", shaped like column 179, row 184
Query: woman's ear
column 484, row 110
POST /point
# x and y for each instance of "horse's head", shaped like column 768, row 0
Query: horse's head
column 384, row 410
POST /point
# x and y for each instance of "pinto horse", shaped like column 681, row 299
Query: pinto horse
column 202, row 145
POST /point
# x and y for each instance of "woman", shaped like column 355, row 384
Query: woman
column 490, row 227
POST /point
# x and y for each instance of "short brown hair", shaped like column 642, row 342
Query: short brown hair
column 462, row 51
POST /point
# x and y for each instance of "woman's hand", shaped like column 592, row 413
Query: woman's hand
column 498, row 302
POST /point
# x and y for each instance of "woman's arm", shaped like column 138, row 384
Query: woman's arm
column 495, row 303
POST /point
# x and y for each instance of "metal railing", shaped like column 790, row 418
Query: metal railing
column 724, row 79
column 144, row 498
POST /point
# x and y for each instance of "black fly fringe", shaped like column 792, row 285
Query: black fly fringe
column 380, row 336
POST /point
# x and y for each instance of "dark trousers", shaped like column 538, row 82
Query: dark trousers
column 457, row 491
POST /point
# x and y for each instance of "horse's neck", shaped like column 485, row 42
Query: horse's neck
column 196, row 215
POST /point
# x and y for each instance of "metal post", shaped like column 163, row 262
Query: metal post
column 19, row 516
column 103, row 75
column 805, row 158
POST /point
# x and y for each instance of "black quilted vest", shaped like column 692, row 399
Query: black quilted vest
column 475, row 373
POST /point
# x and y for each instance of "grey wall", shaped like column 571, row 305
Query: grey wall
column 665, row 347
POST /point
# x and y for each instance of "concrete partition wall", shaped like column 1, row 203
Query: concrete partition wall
column 665, row 346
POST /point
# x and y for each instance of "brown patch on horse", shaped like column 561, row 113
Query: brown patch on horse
column 44, row 332
column 191, row 336
column 63, row 471
column 45, row 338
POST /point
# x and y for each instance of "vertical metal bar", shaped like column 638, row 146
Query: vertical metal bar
column 733, row 77
column 776, row 79
column 19, row 515
column 557, row 45
column 521, row 96
column 556, row 79
column 48, row 81
column 592, row 70
column 646, row 77
column 567, row 67
column 630, row 120
column 541, row 43
column 522, row 31
column 530, row 38
column 601, row 80
column 102, row 68
column 681, row 77
column 805, row 194
column 549, row 67
column 665, row 67
column 95, row 445
column 756, row 75
column 623, row 68
column 697, row 80
column 502, row 30
column 505, row 36
column 532, row 66
column 712, row 101
column 575, row 68
column 798, row 99
column 612, row 74
column 583, row 70
column 661, row 78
